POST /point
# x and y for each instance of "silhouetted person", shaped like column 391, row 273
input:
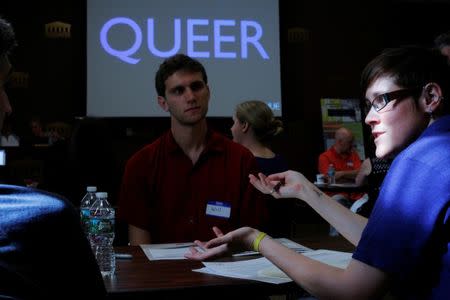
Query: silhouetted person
column 44, row 253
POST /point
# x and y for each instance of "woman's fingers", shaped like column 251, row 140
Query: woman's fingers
column 217, row 231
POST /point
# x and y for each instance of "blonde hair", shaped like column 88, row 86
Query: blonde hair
column 260, row 118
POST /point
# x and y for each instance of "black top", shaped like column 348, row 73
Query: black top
column 280, row 212
column 380, row 167
column 43, row 251
column 272, row 165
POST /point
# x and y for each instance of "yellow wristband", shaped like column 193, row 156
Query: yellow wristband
column 258, row 240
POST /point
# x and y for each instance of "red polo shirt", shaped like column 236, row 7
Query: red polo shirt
column 341, row 163
column 164, row 193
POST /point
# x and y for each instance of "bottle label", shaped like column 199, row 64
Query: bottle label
column 84, row 214
column 98, row 226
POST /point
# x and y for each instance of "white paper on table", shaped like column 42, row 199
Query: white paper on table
column 333, row 258
column 261, row 269
column 245, row 269
column 166, row 251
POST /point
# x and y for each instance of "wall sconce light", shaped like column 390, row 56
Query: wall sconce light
column 298, row 35
column 19, row 80
column 58, row 30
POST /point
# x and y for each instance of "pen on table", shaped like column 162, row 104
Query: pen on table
column 123, row 256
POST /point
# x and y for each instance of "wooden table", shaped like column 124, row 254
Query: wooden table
column 139, row 278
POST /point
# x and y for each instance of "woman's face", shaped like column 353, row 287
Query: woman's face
column 236, row 130
column 396, row 125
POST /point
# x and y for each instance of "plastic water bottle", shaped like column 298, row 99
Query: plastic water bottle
column 101, row 234
column 331, row 174
column 85, row 206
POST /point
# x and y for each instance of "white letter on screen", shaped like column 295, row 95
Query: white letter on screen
column 122, row 55
column 246, row 39
column 176, row 39
column 191, row 37
column 219, row 39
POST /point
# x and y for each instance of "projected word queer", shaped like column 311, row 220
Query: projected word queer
column 250, row 35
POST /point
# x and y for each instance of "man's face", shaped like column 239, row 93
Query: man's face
column 36, row 128
column 186, row 97
column 346, row 145
column 5, row 73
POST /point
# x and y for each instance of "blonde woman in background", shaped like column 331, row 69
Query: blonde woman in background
column 254, row 127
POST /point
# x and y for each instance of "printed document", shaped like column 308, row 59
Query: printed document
column 261, row 269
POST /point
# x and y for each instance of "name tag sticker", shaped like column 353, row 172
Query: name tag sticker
column 218, row 209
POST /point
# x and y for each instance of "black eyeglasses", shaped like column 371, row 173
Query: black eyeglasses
column 380, row 101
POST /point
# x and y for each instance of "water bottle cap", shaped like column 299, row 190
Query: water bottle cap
column 101, row 195
column 91, row 189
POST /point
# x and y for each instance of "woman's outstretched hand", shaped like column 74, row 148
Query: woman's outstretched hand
column 289, row 184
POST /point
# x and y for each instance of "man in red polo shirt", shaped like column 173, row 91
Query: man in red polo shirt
column 191, row 178
column 345, row 160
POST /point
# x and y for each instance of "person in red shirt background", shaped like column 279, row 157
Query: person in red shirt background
column 346, row 162
column 343, row 156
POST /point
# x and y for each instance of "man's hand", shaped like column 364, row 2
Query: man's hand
column 234, row 241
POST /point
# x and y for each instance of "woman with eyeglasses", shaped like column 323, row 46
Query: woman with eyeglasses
column 403, row 249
